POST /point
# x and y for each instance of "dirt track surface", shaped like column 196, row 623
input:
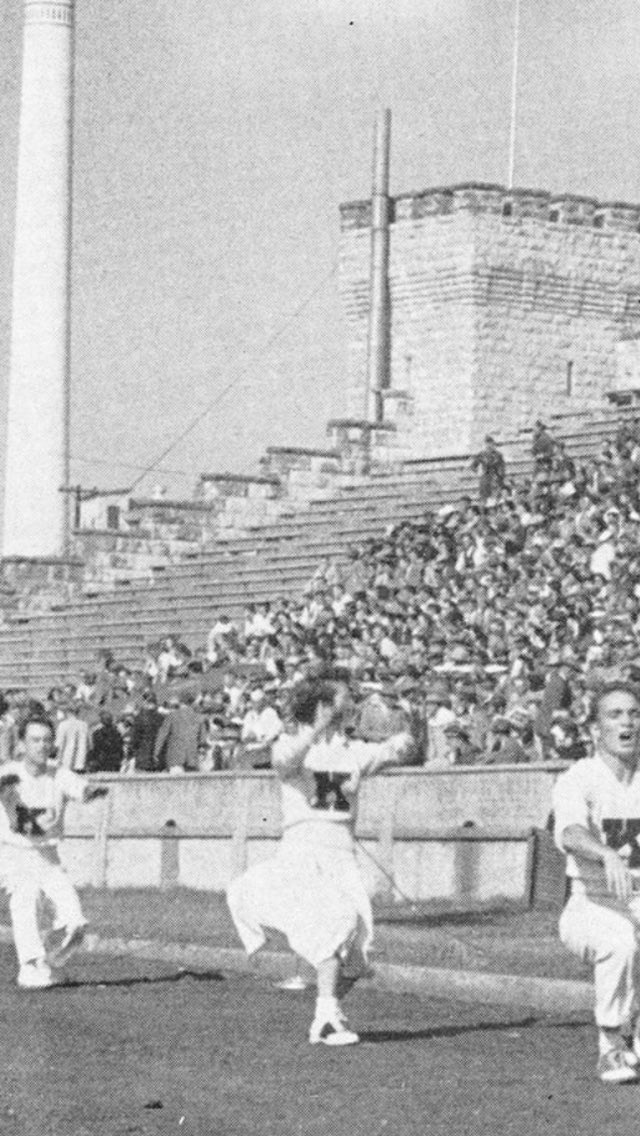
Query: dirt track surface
column 128, row 1048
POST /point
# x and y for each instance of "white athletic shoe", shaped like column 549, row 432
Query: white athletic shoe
column 614, row 1067
column 632, row 1052
column 332, row 1031
column 60, row 950
column 35, row 975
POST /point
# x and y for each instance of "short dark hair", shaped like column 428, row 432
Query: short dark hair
column 306, row 696
column 34, row 720
column 615, row 686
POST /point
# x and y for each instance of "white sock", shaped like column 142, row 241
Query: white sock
column 608, row 1039
column 327, row 1007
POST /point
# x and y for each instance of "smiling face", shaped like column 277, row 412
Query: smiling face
column 617, row 727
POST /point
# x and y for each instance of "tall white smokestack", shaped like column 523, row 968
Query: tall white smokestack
column 35, row 511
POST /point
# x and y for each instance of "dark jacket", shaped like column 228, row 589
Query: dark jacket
column 107, row 750
column 144, row 730
column 180, row 736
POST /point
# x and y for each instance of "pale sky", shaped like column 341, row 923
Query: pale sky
column 214, row 141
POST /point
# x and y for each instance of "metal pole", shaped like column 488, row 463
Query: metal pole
column 514, row 94
column 379, row 309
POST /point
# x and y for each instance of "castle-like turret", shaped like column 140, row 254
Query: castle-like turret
column 505, row 305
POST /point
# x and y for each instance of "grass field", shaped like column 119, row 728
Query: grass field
column 132, row 1047
column 504, row 940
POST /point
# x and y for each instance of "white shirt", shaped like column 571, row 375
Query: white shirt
column 261, row 725
column 603, row 556
column 321, row 789
column 72, row 742
column 590, row 795
column 48, row 790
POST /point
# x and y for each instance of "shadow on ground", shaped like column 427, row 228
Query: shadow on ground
column 141, row 980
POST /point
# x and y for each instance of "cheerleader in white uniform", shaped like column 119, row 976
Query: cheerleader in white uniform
column 312, row 890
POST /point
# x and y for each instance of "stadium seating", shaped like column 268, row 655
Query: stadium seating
column 272, row 558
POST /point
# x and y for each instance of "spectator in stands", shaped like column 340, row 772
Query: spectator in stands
column 72, row 740
column 479, row 600
column 8, row 732
column 522, row 732
column 106, row 753
column 105, row 678
column 555, row 696
column 170, row 660
column 439, row 716
column 258, row 621
column 458, row 748
column 213, row 755
column 144, row 731
column 503, row 747
column 542, row 449
column 564, row 466
column 377, row 715
column 86, row 687
column 150, row 664
column 220, row 638
column 261, row 726
column 604, row 554
column 491, row 465
column 181, row 737
column 567, row 744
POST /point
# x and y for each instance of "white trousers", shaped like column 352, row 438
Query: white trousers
column 608, row 937
column 28, row 874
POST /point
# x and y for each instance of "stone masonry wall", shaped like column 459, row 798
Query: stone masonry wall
column 504, row 307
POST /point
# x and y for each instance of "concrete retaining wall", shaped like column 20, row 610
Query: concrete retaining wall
column 460, row 833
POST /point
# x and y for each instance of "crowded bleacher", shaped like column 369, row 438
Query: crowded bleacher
column 486, row 624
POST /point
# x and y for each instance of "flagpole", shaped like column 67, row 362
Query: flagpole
column 514, row 94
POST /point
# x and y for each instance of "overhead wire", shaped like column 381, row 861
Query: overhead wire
column 125, row 465
column 195, row 421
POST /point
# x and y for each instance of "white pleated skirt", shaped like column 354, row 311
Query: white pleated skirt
column 313, row 893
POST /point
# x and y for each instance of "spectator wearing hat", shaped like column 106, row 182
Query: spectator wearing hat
column 261, row 726
column 144, row 731
column 377, row 716
column 181, row 737
column 458, row 749
column 502, row 747
column 522, row 731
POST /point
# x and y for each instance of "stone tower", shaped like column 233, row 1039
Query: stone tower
column 506, row 305
column 38, row 412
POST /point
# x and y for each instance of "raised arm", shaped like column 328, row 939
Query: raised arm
column 382, row 755
column 290, row 750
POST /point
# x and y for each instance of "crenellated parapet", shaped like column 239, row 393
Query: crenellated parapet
column 504, row 304
column 498, row 201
